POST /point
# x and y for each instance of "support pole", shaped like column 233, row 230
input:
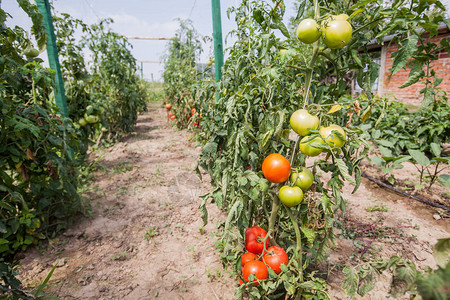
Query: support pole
column 217, row 34
column 142, row 70
column 52, row 52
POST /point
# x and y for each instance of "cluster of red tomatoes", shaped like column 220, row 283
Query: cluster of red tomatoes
column 276, row 168
column 335, row 31
column 170, row 114
column 259, row 258
column 197, row 122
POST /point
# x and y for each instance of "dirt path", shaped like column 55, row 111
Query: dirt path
column 144, row 239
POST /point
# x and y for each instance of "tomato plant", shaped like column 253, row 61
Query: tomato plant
column 256, row 239
column 180, row 71
column 274, row 257
column 268, row 75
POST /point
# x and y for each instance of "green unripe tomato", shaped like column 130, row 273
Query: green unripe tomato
column 308, row 31
column 91, row 119
column 82, row 122
column 303, row 179
column 341, row 17
column 290, row 195
column 308, row 148
column 332, row 138
column 32, row 53
column 337, row 34
column 302, row 121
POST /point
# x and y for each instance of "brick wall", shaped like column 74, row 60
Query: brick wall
column 411, row 94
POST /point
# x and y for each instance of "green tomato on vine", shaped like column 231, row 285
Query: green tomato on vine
column 290, row 195
column 308, row 31
column 337, row 33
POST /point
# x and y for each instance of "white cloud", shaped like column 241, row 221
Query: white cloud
column 129, row 25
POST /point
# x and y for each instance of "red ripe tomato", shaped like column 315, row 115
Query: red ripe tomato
column 276, row 168
column 170, row 114
column 172, row 117
column 248, row 256
column 188, row 117
column 254, row 237
column 195, row 123
column 274, row 257
column 193, row 110
column 255, row 267
column 168, row 106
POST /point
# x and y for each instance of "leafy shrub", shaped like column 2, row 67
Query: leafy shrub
column 38, row 175
column 180, row 72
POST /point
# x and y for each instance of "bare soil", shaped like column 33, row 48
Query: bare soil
column 145, row 238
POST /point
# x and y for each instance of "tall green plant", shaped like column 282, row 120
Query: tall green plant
column 115, row 85
column 268, row 75
column 180, row 71
column 38, row 175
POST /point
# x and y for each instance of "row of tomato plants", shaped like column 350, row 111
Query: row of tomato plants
column 303, row 77
column 43, row 154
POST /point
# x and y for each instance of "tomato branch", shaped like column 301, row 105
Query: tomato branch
column 273, row 217
column 298, row 236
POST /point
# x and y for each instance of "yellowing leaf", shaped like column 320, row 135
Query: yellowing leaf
column 366, row 114
column 335, row 108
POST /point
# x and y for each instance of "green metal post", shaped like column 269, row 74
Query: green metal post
column 52, row 52
column 217, row 34
column 142, row 70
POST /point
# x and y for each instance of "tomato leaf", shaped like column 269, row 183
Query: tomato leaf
column 334, row 108
column 367, row 278
column 351, row 280
column 309, row 234
column 415, row 74
column 409, row 47
column 441, row 252
column 344, row 170
column 357, row 171
column 202, row 207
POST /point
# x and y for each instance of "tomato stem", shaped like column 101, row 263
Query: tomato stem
column 298, row 236
column 316, row 51
column 273, row 217
column 309, row 72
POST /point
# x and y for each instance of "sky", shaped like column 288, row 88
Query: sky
column 144, row 18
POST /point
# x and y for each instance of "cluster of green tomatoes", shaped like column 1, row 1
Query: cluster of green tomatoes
column 92, row 115
column 277, row 169
column 336, row 31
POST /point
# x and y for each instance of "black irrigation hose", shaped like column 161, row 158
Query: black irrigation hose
column 404, row 193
